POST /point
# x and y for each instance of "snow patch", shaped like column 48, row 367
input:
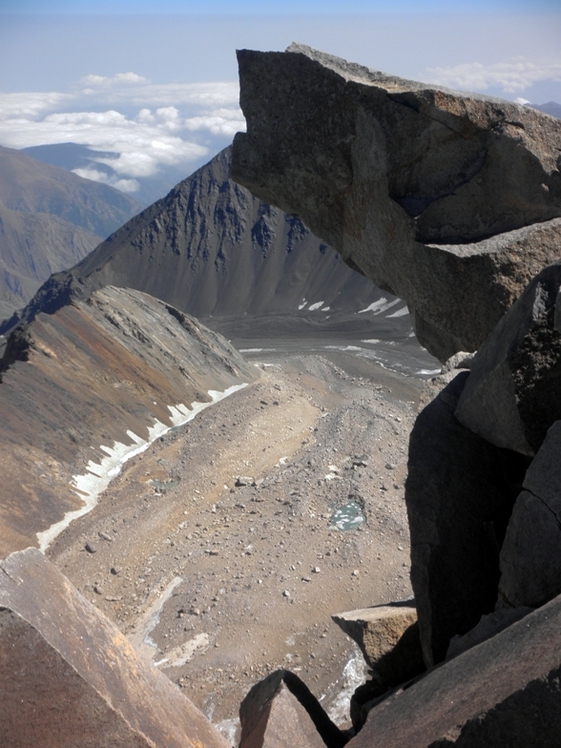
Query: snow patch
column 184, row 652
column 382, row 305
column 317, row 305
column 98, row 476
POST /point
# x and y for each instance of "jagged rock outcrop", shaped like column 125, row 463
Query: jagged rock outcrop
column 84, row 387
column 211, row 249
column 513, row 394
column 449, row 200
column 504, row 692
column 281, row 712
column 71, row 678
column 530, row 556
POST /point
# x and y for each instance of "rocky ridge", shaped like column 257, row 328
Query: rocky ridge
column 213, row 250
column 143, row 365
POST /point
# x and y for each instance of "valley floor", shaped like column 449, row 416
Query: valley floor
column 221, row 583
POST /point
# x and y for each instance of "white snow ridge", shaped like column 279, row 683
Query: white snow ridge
column 98, row 476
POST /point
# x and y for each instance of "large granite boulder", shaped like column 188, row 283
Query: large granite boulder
column 449, row 200
column 281, row 712
column 530, row 557
column 503, row 692
column 460, row 491
column 513, row 393
column 69, row 677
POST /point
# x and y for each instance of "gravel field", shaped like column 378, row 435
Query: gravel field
column 223, row 550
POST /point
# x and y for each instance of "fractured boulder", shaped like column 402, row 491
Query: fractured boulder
column 388, row 638
column 513, row 393
column 69, row 677
column 449, row 200
column 530, row 557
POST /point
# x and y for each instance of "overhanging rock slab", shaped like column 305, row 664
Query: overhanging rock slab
column 449, row 200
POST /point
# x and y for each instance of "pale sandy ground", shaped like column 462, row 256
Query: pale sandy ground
column 223, row 584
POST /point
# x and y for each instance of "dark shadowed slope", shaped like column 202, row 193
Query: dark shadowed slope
column 49, row 219
column 211, row 249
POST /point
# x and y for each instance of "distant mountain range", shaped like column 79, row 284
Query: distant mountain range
column 213, row 250
column 49, row 219
column 550, row 108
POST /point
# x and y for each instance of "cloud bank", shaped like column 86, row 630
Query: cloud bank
column 513, row 76
column 145, row 126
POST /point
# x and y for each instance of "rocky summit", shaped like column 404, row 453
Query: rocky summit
column 451, row 201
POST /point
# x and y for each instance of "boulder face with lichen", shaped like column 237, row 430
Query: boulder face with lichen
column 450, row 200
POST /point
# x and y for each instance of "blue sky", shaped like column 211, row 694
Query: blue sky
column 156, row 82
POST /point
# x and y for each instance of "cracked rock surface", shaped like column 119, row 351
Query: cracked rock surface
column 450, row 200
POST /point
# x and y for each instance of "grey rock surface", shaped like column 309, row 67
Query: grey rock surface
column 530, row 557
column 503, row 692
column 281, row 712
column 449, row 200
column 71, row 678
column 513, row 393
column 459, row 493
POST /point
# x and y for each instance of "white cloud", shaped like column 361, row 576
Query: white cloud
column 125, row 185
column 148, row 126
column 218, row 122
column 120, row 78
column 16, row 105
column 512, row 76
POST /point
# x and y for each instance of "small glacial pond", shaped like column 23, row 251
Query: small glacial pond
column 347, row 517
column 164, row 483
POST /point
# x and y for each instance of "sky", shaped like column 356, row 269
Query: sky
column 155, row 81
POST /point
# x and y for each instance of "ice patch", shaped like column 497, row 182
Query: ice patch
column 317, row 305
column 399, row 313
column 92, row 483
column 429, row 372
